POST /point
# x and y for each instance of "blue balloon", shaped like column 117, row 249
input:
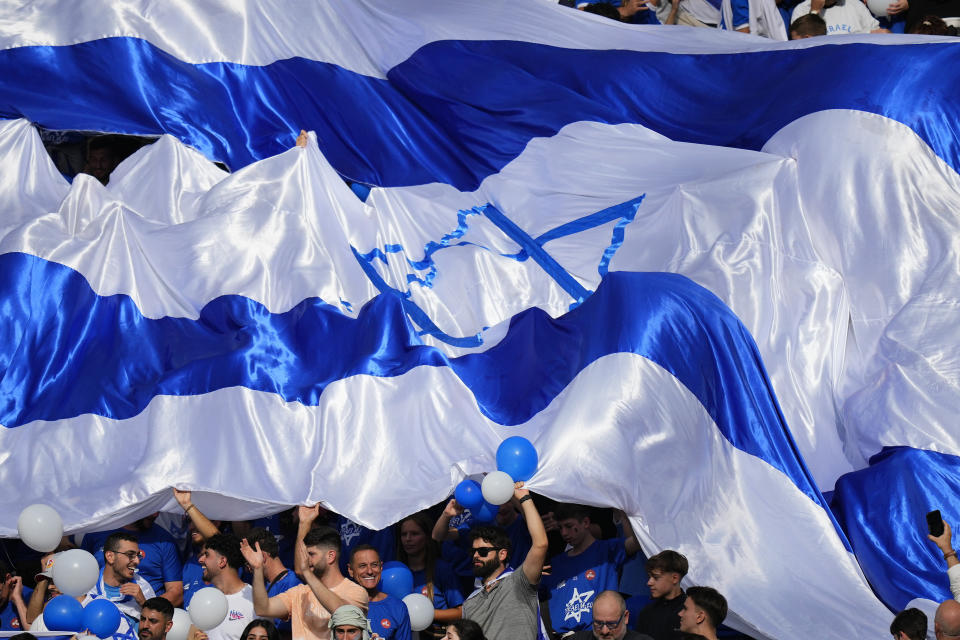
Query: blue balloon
column 101, row 618
column 397, row 581
column 487, row 512
column 468, row 494
column 517, row 457
column 64, row 613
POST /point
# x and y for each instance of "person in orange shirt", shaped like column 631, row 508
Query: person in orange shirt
column 308, row 606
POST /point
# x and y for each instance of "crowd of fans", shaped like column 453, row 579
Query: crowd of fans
column 309, row 574
column 801, row 18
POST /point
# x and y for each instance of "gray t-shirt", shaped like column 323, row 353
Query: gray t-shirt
column 508, row 611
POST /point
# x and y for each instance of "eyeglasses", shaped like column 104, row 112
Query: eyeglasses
column 610, row 624
column 130, row 554
column 483, row 552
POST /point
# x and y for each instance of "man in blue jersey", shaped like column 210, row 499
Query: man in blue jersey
column 13, row 608
column 388, row 616
column 588, row 567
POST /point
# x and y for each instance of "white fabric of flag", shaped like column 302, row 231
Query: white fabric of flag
column 833, row 240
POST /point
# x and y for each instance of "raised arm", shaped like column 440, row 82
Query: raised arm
column 16, row 597
column 263, row 605
column 533, row 564
column 39, row 596
column 329, row 600
column 943, row 542
column 441, row 530
column 206, row 528
column 674, row 7
column 631, row 544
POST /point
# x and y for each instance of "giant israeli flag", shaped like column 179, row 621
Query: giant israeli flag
column 708, row 275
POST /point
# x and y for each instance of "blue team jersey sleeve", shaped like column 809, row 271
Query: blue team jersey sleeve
column 741, row 12
column 616, row 551
column 170, row 566
column 192, row 577
column 389, row 619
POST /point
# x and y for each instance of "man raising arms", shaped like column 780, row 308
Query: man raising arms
column 506, row 605
column 309, row 605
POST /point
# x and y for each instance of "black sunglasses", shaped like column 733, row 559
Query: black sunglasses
column 483, row 552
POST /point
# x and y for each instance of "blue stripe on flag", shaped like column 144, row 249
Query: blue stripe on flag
column 457, row 112
column 67, row 351
column 882, row 508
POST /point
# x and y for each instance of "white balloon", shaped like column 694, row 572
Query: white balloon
column 181, row 625
column 420, row 609
column 497, row 488
column 40, row 527
column 75, row 572
column 878, row 7
column 208, row 608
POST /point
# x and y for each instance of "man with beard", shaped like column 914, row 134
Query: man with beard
column 159, row 556
column 309, row 606
column 120, row 583
column 156, row 619
column 388, row 616
column 221, row 561
column 505, row 606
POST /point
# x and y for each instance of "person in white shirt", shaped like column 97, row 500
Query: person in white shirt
column 841, row 16
column 221, row 560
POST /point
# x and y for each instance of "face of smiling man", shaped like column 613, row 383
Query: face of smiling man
column 365, row 568
column 124, row 560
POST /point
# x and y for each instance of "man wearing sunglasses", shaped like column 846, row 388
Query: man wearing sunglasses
column 610, row 618
column 506, row 606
